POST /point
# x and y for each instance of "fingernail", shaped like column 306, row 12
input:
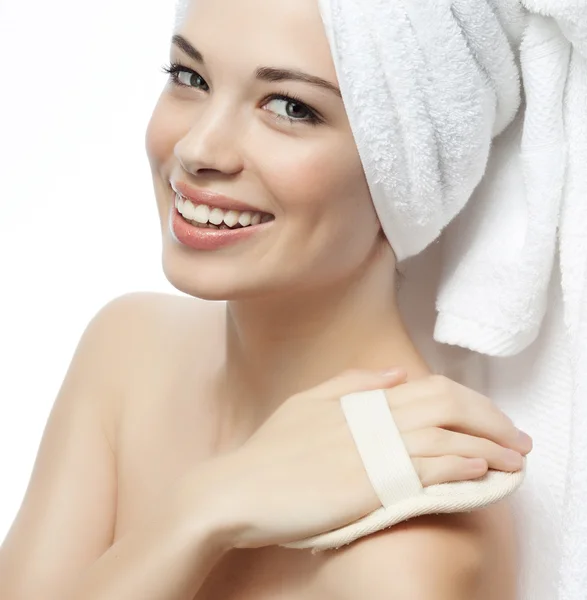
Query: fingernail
column 524, row 438
column 513, row 459
column 396, row 372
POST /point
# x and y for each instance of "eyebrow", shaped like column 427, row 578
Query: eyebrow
column 270, row 74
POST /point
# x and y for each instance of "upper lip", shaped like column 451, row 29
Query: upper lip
column 199, row 196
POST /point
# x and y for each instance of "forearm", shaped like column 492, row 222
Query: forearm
column 169, row 555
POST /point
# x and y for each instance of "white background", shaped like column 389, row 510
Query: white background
column 78, row 223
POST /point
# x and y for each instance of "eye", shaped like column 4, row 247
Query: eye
column 183, row 76
column 292, row 109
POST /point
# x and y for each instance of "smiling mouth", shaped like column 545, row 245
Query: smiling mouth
column 207, row 217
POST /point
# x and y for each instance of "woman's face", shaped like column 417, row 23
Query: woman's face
column 241, row 126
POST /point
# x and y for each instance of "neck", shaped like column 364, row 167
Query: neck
column 278, row 347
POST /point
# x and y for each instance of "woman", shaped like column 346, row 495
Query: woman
column 176, row 460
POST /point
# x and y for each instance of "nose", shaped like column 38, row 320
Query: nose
column 211, row 144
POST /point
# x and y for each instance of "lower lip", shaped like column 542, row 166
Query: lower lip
column 204, row 238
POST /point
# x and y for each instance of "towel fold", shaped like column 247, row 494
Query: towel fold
column 424, row 146
column 458, row 110
column 502, row 248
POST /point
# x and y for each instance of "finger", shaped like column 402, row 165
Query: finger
column 351, row 382
column 435, row 442
column 459, row 400
column 434, row 386
column 445, row 469
column 480, row 419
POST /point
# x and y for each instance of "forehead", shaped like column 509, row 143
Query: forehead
column 262, row 31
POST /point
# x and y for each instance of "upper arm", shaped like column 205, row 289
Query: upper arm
column 66, row 520
column 465, row 556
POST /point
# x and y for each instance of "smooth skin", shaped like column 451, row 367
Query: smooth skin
column 132, row 491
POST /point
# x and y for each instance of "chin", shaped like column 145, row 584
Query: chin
column 209, row 280
column 225, row 275
column 198, row 282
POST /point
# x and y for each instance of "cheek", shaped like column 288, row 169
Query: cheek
column 329, row 220
column 321, row 182
column 162, row 134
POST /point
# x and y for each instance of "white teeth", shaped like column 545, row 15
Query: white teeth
column 201, row 214
column 245, row 219
column 189, row 211
column 231, row 218
column 217, row 218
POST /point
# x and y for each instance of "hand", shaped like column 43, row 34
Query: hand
column 300, row 474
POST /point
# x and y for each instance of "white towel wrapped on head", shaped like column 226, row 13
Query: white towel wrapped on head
column 424, row 96
column 428, row 87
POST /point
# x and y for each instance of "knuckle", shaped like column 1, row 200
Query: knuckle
column 451, row 410
column 484, row 402
column 489, row 450
column 437, row 436
column 503, row 420
column 507, row 421
column 441, row 384
column 503, row 424
column 489, row 409
column 487, row 404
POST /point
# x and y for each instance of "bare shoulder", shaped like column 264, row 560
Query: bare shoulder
column 148, row 322
column 452, row 556
column 168, row 349
column 141, row 315
column 141, row 335
column 70, row 510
